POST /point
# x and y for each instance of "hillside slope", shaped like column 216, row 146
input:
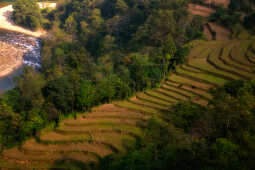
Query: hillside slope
column 114, row 128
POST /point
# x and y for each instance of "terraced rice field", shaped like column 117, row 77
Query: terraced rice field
column 221, row 33
column 115, row 128
column 200, row 10
column 225, row 3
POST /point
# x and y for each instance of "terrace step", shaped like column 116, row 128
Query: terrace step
column 201, row 77
column 200, row 10
column 191, row 95
column 237, row 54
column 250, row 57
column 147, row 104
column 160, row 96
column 87, row 130
column 89, row 122
column 211, row 65
column 101, row 149
column 194, row 90
column 218, row 64
column 189, row 82
column 19, row 155
column 114, row 140
column 225, row 59
column 154, row 100
column 135, row 107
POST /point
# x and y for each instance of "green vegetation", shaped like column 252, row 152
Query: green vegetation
column 219, row 136
column 99, row 52
column 27, row 14
column 232, row 17
column 189, row 109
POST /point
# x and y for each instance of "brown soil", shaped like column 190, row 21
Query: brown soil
column 221, row 32
column 200, row 10
column 10, row 58
column 224, row 3
column 207, row 33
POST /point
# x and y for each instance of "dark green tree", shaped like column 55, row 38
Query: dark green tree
column 27, row 13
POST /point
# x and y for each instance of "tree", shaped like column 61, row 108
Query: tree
column 59, row 92
column 70, row 25
column 85, row 99
column 27, row 13
column 29, row 86
column 156, row 28
column 168, row 51
column 249, row 21
column 225, row 154
column 9, row 126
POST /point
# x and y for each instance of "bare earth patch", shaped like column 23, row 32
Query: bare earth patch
column 224, row 3
column 10, row 58
column 200, row 10
column 207, row 33
column 221, row 32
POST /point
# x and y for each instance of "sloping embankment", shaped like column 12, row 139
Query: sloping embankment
column 10, row 58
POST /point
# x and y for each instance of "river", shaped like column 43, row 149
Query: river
column 30, row 58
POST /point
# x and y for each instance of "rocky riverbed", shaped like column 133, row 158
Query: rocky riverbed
column 16, row 51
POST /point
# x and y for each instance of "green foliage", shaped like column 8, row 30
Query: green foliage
column 30, row 79
column 27, row 14
column 195, row 30
column 183, row 115
column 232, row 16
column 226, row 17
column 225, row 154
column 239, row 5
column 9, row 125
column 219, row 136
column 85, row 99
column 249, row 21
column 59, row 92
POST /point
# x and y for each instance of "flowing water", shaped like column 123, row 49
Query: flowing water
column 31, row 58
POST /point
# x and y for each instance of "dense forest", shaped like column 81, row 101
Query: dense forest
column 99, row 51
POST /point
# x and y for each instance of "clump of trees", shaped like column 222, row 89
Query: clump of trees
column 27, row 13
column 232, row 16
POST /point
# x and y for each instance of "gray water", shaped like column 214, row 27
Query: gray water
column 31, row 58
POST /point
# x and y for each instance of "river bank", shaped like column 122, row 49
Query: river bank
column 16, row 51
column 19, row 47
column 7, row 24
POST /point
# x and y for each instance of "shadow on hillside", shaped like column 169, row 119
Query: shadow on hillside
column 69, row 164
column 8, row 17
